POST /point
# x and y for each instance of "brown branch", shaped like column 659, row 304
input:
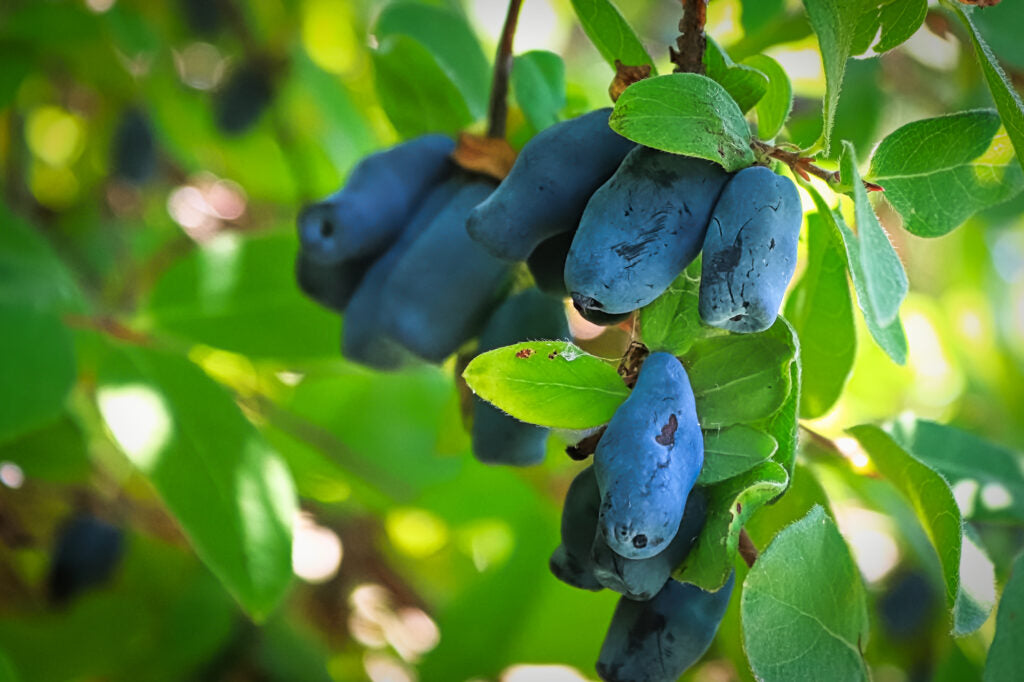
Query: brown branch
column 690, row 45
column 498, row 109
column 747, row 548
column 803, row 165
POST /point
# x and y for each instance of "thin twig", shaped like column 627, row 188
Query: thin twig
column 692, row 41
column 803, row 165
column 498, row 109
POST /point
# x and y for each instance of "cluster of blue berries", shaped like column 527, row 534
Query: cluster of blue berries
column 418, row 254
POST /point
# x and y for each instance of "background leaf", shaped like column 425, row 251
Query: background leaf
column 1008, row 102
column 239, row 296
column 684, row 113
column 671, row 322
column 1003, row 661
column 450, row 40
column 891, row 337
column 774, row 107
column 967, row 573
column 415, row 91
column 538, row 80
column 997, row 493
column 611, row 34
column 834, row 22
column 730, row 504
column 900, row 20
column 744, row 82
column 820, row 308
column 37, row 366
column 938, row 172
column 803, row 606
column 550, row 383
column 230, row 492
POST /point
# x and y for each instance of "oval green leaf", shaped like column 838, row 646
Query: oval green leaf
column 549, row 383
column 732, row 451
column 803, row 606
column 938, row 172
column 685, row 113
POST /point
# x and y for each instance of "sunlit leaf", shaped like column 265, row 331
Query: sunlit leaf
column 231, row 493
column 613, row 37
column 938, row 172
column 967, row 572
column 550, row 383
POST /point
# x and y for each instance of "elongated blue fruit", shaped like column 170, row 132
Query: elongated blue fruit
column 86, row 554
column 364, row 337
column 750, row 251
column 641, row 579
column 442, row 289
column 571, row 562
column 332, row 286
column 640, row 229
column 648, row 460
column 658, row 640
column 549, row 185
column 380, row 196
column 497, row 437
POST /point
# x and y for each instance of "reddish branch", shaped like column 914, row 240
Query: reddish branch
column 803, row 165
column 498, row 110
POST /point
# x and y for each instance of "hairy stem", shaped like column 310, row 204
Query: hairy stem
column 498, row 110
column 690, row 45
column 802, row 166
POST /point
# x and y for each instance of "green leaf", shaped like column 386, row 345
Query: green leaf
column 1003, row 662
column 891, row 337
column 803, row 606
column 860, row 107
column 886, row 280
column 451, row 41
column 989, row 476
column 745, row 83
column 241, row 295
column 684, row 113
column 900, row 20
column 834, row 22
column 37, row 366
column 784, row 425
column 30, row 271
column 1000, row 24
column 967, row 572
column 938, row 172
column 741, row 378
column 414, row 90
column 730, row 504
column 772, row 109
column 756, row 13
column 538, row 79
column 820, row 308
column 57, row 452
column 611, row 34
column 671, row 322
column 732, row 451
column 232, row 495
column 1008, row 102
column 550, row 383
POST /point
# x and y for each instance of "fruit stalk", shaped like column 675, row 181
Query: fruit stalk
column 498, row 109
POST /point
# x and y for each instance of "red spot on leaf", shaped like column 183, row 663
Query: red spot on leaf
column 524, row 353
